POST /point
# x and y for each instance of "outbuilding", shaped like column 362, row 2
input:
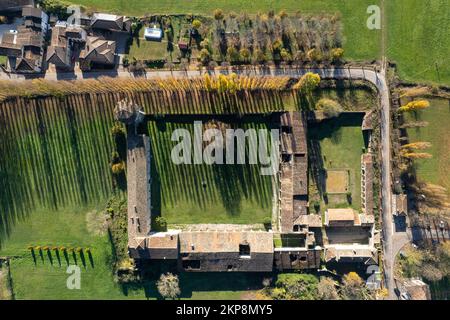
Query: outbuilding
column 153, row 34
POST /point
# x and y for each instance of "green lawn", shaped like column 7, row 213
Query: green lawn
column 336, row 144
column 434, row 170
column 46, row 279
column 142, row 49
column 418, row 39
column 361, row 43
column 232, row 193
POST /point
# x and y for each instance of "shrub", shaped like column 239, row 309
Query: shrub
column 414, row 106
column 259, row 56
column 316, row 205
column 196, row 24
column 308, row 82
column 314, row 55
column 126, row 61
column 283, row 14
column 431, row 273
column 277, row 45
column 354, row 288
column 161, row 224
column 232, row 54
column 330, row 108
column 204, row 44
column 297, row 286
column 168, row 286
column 118, row 168
column 56, row 7
column 205, row 56
column 117, row 130
column 218, row 14
column 244, row 54
column 285, row 55
column 327, row 289
column 337, row 54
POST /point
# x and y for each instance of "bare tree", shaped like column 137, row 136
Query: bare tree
column 168, row 286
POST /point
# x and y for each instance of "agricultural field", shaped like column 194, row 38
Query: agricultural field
column 191, row 194
column 46, row 278
column 434, row 170
column 55, row 153
column 418, row 39
column 336, row 145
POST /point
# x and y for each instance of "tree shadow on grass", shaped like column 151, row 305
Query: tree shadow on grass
column 50, row 257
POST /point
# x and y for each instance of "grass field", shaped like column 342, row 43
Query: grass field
column 418, row 39
column 434, row 170
column 46, row 279
column 336, row 144
column 206, row 193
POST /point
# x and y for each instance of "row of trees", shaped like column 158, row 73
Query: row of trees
column 309, row 287
column 59, row 248
column 431, row 198
column 292, row 287
column 223, row 83
column 271, row 37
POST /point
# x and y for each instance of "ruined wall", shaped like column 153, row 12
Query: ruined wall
column 220, row 262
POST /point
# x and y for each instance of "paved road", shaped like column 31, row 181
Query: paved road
column 377, row 78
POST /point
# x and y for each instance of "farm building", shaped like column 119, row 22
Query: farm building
column 153, row 34
column 216, row 251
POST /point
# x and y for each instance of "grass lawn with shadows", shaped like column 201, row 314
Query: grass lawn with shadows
column 434, row 170
column 202, row 193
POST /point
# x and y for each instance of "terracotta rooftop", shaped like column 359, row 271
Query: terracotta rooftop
column 210, row 241
column 346, row 214
column 138, row 175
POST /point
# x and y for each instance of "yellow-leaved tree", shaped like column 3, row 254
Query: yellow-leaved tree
column 415, row 105
column 308, row 82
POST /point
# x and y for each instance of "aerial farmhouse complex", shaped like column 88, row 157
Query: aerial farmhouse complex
column 297, row 239
column 234, row 150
